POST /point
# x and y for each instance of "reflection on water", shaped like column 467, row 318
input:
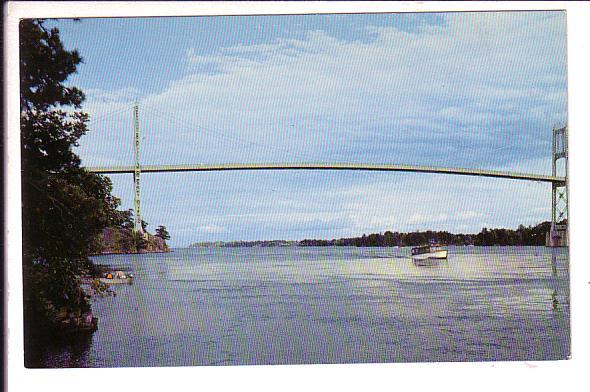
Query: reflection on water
column 67, row 352
column 291, row 305
column 555, row 277
column 430, row 263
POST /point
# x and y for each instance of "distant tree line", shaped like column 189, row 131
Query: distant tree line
column 244, row 244
column 529, row 235
column 523, row 235
column 260, row 243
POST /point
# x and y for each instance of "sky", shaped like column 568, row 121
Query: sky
column 474, row 89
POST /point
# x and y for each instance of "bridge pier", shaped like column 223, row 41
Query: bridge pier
column 558, row 234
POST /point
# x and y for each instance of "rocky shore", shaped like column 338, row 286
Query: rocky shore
column 124, row 241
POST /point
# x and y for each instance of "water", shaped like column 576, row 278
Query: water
column 293, row 305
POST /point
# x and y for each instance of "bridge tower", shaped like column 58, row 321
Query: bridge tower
column 137, row 172
column 558, row 235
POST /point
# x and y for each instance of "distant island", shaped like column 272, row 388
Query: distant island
column 522, row 236
column 243, row 244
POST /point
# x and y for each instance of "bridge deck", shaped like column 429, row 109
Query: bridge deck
column 328, row 166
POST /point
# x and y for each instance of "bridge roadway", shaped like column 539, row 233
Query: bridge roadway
column 328, row 166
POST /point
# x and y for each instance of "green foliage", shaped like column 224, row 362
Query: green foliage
column 123, row 219
column 44, row 66
column 162, row 233
column 64, row 207
column 522, row 236
column 140, row 241
column 531, row 235
column 120, row 237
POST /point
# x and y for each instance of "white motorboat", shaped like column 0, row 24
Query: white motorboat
column 429, row 254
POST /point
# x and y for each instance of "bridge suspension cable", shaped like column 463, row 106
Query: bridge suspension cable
column 219, row 135
column 95, row 119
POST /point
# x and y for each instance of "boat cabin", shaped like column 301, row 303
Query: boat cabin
column 420, row 250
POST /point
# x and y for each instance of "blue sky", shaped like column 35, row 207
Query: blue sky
column 478, row 90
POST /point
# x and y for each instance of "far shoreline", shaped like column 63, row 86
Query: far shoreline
column 538, row 235
column 107, row 253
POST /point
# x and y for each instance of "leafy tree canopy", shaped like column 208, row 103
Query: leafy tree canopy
column 64, row 207
column 44, row 66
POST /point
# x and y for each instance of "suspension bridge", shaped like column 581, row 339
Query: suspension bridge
column 558, row 235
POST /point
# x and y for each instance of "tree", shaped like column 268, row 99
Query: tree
column 162, row 233
column 140, row 241
column 64, row 207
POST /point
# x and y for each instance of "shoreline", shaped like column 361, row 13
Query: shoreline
column 195, row 246
column 106, row 253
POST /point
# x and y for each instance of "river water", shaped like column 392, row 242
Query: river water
column 307, row 305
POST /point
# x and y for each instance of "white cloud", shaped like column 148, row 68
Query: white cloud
column 311, row 98
column 125, row 95
column 482, row 90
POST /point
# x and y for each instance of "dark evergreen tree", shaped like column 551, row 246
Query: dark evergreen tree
column 531, row 236
column 64, row 207
column 162, row 233
column 144, row 225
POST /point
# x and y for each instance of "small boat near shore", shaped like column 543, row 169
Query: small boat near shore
column 116, row 277
column 429, row 254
